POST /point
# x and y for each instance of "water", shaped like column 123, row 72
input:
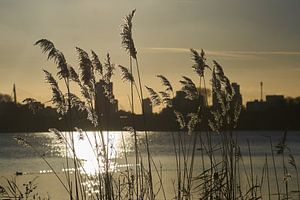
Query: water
column 26, row 160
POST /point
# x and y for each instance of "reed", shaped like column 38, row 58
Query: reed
column 219, row 172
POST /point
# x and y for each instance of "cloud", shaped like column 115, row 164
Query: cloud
column 229, row 54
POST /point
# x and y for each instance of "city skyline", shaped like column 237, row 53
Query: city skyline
column 102, row 100
column 253, row 41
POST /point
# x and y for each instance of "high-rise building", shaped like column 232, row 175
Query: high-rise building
column 147, row 105
column 105, row 102
column 236, row 89
column 237, row 93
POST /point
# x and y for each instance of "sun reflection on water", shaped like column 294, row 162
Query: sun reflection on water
column 89, row 149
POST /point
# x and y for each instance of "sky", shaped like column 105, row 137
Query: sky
column 254, row 41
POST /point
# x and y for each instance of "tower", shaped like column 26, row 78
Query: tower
column 261, row 91
column 15, row 94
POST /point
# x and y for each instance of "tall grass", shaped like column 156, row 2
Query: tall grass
column 219, row 173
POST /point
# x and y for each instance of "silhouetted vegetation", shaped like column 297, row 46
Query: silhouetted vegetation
column 20, row 118
column 36, row 117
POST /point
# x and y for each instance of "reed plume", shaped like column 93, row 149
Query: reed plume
column 54, row 54
column 86, row 67
column 126, row 75
column 109, row 69
column 199, row 60
column 189, row 87
column 180, row 119
column 166, row 98
column 97, row 64
column 156, row 101
column 58, row 99
column 166, row 83
column 126, row 35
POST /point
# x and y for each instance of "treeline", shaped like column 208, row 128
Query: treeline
column 30, row 116
column 16, row 117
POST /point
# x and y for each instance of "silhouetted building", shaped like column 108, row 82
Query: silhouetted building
column 105, row 103
column 256, row 105
column 147, row 105
column 272, row 101
column 236, row 89
column 275, row 101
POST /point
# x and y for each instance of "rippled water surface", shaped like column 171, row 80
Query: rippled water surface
column 27, row 160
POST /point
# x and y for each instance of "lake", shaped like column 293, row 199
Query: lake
column 28, row 163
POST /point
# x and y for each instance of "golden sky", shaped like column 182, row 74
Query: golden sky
column 253, row 40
